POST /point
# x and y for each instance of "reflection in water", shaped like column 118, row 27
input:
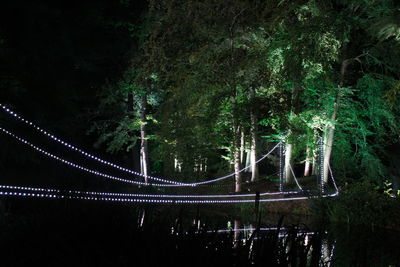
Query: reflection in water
column 295, row 246
column 236, row 236
column 281, row 246
column 141, row 217
column 163, row 238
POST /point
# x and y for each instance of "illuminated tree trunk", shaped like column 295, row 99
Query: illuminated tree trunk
column 236, row 158
column 253, row 133
column 329, row 133
column 307, row 164
column 328, row 141
column 143, row 138
column 314, row 164
column 288, row 161
column 248, row 160
column 135, row 151
column 242, row 147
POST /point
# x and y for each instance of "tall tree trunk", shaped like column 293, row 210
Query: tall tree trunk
column 242, row 147
column 135, row 151
column 143, row 138
column 254, row 136
column 289, row 147
column 328, row 143
column 288, row 161
column 329, row 133
column 236, row 157
column 248, row 160
column 314, row 164
column 307, row 164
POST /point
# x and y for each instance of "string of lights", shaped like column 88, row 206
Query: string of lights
column 333, row 179
column 232, row 183
column 95, row 172
column 53, row 195
column 294, row 177
column 86, row 154
column 241, row 170
column 92, row 193
column 72, row 147
column 71, row 164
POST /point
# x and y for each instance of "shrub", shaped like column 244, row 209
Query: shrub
column 360, row 204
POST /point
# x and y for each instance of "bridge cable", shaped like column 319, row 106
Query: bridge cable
column 156, row 201
column 294, row 176
column 44, row 132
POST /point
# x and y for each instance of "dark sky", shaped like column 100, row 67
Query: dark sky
column 55, row 55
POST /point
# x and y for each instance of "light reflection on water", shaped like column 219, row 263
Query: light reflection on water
column 121, row 235
column 298, row 245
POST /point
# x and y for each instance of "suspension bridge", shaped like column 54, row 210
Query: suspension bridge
column 136, row 178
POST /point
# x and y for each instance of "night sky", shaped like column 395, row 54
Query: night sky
column 57, row 54
column 54, row 59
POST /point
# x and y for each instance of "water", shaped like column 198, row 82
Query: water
column 75, row 233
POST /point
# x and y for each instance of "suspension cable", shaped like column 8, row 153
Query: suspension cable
column 294, row 176
column 98, row 173
column 55, row 195
column 93, row 193
column 95, row 172
column 333, row 179
column 72, row 147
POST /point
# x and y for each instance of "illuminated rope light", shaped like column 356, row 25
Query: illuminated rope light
column 333, row 179
column 15, row 115
column 330, row 170
column 281, row 166
column 28, row 188
column 156, row 201
column 241, row 183
column 47, row 190
column 54, row 193
column 44, row 132
column 294, row 176
column 241, row 170
column 321, row 159
column 81, row 167
column 95, row 172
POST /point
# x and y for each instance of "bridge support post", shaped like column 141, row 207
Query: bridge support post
column 321, row 181
column 281, row 166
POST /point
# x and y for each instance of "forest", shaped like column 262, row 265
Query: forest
column 191, row 90
column 274, row 93
column 183, row 87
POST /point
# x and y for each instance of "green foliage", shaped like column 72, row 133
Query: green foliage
column 361, row 204
column 204, row 60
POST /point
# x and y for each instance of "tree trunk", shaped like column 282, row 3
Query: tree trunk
column 288, row 161
column 143, row 138
column 236, row 157
column 307, row 164
column 248, row 160
column 135, row 151
column 254, row 136
column 314, row 164
column 242, row 147
column 329, row 133
column 328, row 143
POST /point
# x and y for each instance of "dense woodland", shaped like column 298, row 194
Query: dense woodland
column 178, row 87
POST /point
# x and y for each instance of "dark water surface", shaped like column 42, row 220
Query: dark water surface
column 74, row 233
